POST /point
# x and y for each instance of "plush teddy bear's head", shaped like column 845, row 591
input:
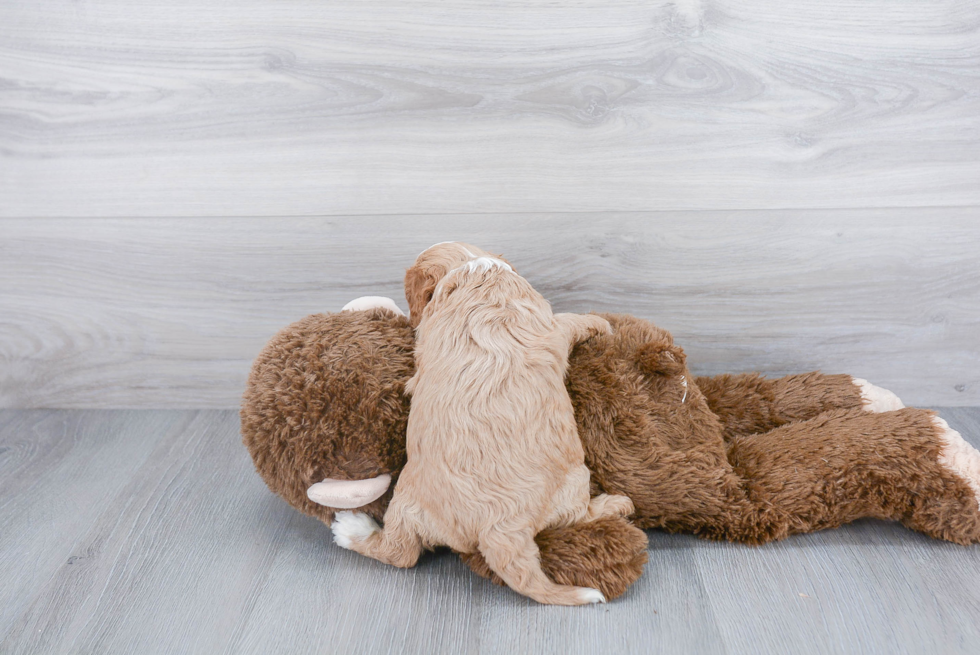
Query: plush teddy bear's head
column 325, row 412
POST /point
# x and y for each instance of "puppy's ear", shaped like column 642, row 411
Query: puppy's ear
column 420, row 283
column 445, row 289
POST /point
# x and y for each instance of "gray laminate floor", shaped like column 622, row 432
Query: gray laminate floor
column 148, row 531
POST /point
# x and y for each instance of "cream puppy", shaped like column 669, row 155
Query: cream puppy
column 494, row 456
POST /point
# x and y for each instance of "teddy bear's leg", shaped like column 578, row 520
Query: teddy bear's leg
column 906, row 465
column 397, row 544
column 510, row 552
column 607, row 554
column 749, row 403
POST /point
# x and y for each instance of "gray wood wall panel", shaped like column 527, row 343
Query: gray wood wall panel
column 212, row 107
column 164, row 540
column 141, row 312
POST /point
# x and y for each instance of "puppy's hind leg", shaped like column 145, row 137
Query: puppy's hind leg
column 609, row 505
column 513, row 555
column 571, row 504
column 397, row 544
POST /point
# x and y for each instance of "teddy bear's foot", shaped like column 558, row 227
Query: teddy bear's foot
column 959, row 457
column 349, row 528
column 876, row 399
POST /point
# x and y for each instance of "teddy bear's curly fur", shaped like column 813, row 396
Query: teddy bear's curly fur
column 748, row 459
column 739, row 457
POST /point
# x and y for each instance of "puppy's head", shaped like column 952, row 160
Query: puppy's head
column 433, row 265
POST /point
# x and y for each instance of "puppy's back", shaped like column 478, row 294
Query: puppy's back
column 491, row 419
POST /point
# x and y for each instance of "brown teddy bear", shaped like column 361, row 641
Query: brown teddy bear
column 325, row 405
column 735, row 457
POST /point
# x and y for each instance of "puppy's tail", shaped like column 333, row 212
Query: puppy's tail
column 513, row 555
column 607, row 553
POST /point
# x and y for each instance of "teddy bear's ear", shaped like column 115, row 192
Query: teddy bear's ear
column 365, row 303
column 348, row 494
column 657, row 358
column 420, row 284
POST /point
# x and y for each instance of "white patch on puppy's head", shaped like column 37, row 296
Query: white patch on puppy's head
column 481, row 264
column 448, row 284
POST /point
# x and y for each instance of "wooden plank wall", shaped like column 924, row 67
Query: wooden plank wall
column 169, row 312
column 786, row 186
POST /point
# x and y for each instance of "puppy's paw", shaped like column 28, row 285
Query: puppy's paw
column 876, row 399
column 605, row 505
column 621, row 506
column 349, row 528
column 591, row 596
column 599, row 326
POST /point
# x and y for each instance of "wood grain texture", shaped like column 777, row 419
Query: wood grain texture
column 166, row 541
column 217, row 108
column 171, row 312
column 58, row 471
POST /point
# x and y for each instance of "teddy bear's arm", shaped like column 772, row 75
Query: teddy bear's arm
column 750, row 404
